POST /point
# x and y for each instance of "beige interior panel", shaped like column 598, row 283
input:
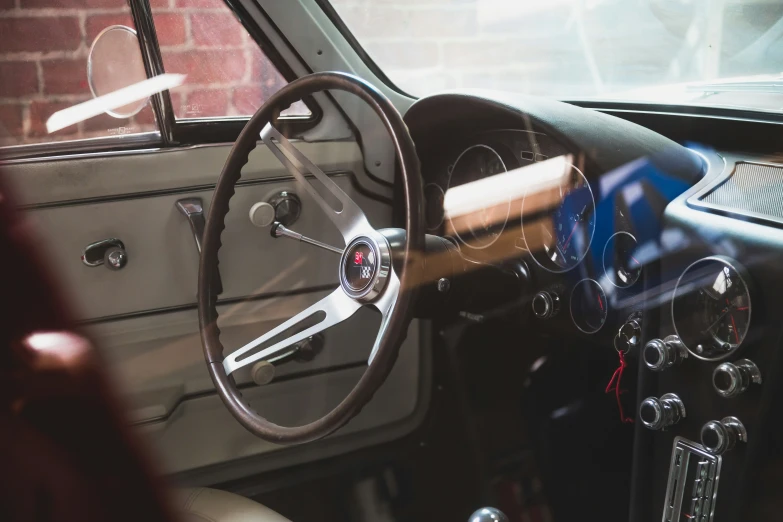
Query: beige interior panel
column 162, row 267
column 87, row 176
column 158, row 361
column 201, row 432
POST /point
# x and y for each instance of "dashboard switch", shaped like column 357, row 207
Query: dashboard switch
column 658, row 414
column 719, row 437
column 731, row 379
column 662, row 354
column 545, row 305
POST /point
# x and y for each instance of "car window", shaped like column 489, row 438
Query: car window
column 227, row 72
column 44, row 50
column 727, row 54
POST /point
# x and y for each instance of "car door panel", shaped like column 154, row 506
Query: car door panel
column 163, row 260
column 202, row 433
column 144, row 316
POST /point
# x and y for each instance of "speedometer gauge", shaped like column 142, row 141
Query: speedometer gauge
column 481, row 228
column 560, row 239
column 711, row 308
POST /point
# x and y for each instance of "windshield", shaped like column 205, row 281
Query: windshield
column 659, row 51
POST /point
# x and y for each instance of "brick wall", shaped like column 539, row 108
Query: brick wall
column 44, row 46
column 227, row 72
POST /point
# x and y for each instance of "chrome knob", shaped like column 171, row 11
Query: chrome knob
column 661, row 354
column 545, row 305
column 719, row 437
column 115, row 258
column 731, row 379
column 488, row 514
column 658, row 414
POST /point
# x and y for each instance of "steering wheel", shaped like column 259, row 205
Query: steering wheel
column 374, row 269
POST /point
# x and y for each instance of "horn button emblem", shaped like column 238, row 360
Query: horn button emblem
column 364, row 267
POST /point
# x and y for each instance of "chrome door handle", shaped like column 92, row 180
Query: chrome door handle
column 193, row 210
column 109, row 252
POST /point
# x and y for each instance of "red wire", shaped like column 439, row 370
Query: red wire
column 615, row 380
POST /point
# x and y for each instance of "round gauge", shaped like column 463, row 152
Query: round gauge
column 711, row 308
column 433, row 213
column 560, row 239
column 481, row 228
column 589, row 306
column 621, row 266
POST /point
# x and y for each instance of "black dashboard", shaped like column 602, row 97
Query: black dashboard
column 585, row 237
column 663, row 253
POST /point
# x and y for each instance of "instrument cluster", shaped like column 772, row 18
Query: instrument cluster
column 511, row 195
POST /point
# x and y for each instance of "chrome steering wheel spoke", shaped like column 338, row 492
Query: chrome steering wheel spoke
column 334, row 308
column 349, row 219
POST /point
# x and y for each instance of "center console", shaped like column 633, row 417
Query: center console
column 709, row 408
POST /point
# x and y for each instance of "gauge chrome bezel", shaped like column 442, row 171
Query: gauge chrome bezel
column 612, row 277
column 448, row 186
column 739, row 270
column 571, row 305
column 589, row 242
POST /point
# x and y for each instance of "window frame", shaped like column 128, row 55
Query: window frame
column 194, row 131
column 171, row 132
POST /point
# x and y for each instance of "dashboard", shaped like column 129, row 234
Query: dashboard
column 637, row 245
column 583, row 233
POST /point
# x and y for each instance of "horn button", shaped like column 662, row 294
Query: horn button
column 364, row 267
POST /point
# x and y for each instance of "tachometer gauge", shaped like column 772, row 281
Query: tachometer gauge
column 711, row 308
column 621, row 265
column 589, row 307
column 481, row 228
column 560, row 239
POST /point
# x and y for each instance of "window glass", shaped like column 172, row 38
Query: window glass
column 227, row 73
column 44, row 47
column 659, row 51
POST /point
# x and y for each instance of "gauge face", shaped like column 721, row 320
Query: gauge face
column 480, row 228
column 433, row 215
column 711, row 308
column 621, row 265
column 559, row 240
column 589, row 306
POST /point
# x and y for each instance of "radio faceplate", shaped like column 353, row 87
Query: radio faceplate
column 693, row 483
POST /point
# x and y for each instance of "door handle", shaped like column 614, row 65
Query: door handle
column 193, row 210
column 109, row 252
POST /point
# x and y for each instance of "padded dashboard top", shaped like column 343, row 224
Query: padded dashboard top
column 607, row 142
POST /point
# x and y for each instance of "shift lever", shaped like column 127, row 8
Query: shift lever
column 488, row 514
